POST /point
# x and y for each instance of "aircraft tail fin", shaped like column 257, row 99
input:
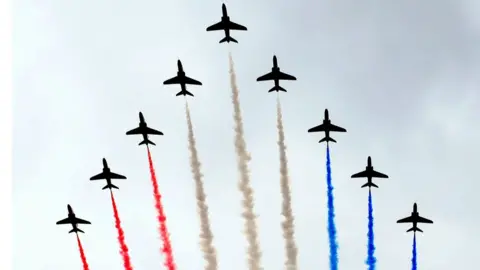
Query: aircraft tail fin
column 75, row 230
column 327, row 139
column 370, row 184
column 184, row 93
column 228, row 39
column 147, row 142
column 110, row 186
column 277, row 88
column 414, row 229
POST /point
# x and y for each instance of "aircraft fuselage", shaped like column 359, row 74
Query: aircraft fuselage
column 106, row 171
column 415, row 216
column 275, row 71
column 225, row 20
column 224, row 11
column 70, row 211
column 142, row 119
column 227, row 31
column 326, row 116
column 71, row 216
column 326, row 122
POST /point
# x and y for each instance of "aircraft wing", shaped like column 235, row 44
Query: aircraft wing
column 360, row 175
column 405, row 220
column 317, row 128
column 216, row 26
column 116, row 176
column 188, row 80
column 174, row 80
column 285, row 76
column 379, row 175
column 81, row 221
column 153, row 131
column 235, row 26
column 64, row 221
column 332, row 127
column 423, row 220
column 266, row 77
column 98, row 176
column 135, row 131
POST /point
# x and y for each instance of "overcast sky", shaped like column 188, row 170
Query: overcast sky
column 400, row 76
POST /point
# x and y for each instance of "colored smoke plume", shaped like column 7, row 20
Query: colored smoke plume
column 371, row 260
column 206, row 236
column 332, row 230
column 82, row 254
column 414, row 252
column 243, row 157
column 288, row 224
column 121, row 237
column 162, row 219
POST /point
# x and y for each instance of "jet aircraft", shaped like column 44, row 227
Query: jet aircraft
column 108, row 175
column 369, row 173
column 182, row 80
column 226, row 25
column 72, row 219
column 414, row 218
column 327, row 127
column 144, row 130
column 276, row 75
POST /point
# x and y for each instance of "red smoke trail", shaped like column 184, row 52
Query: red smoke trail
column 82, row 254
column 167, row 247
column 121, row 237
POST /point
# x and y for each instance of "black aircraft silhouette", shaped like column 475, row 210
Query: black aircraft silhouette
column 226, row 25
column 414, row 218
column 327, row 127
column 369, row 173
column 276, row 75
column 144, row 130
column 107, row 175
column 72, row 219
column 182, row 80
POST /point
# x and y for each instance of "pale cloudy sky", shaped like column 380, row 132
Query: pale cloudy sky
column 400, row 76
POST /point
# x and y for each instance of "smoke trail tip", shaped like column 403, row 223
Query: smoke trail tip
column 206, row 235
column 167, row 248
column 250, row 226
column 82, row 254
column 331, row 226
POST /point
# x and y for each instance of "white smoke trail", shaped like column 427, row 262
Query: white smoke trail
column 287, row 224
column 254, row 254
column 206, row 236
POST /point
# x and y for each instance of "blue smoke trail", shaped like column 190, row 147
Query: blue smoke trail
column 414, row 253
column 371, row 260
column 332, row 230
